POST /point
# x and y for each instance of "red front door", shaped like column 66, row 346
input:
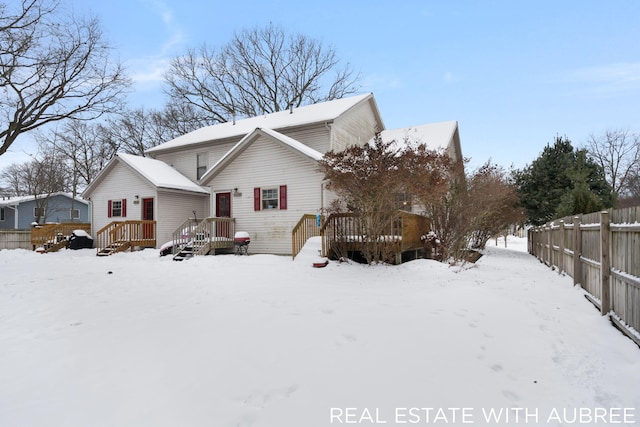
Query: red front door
column 147, row 215
column 223, row 210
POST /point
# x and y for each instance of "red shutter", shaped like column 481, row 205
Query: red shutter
column 124, row 208
column 109, row 209
column 283, row 197
column 256, row 199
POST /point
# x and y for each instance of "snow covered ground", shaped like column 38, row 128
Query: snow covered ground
column 138, row 340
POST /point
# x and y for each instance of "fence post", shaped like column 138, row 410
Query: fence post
column 549, row 244
column 561, row 248
column 605, row 265
column 577, row 251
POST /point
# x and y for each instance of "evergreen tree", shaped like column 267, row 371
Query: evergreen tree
column 561, row 182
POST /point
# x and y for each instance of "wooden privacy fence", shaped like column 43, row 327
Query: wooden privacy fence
column 601, row 251
column 15, row 239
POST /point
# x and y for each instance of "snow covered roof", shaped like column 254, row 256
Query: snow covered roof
column 434, row 135
column 286, row 141
column 12, row 201
column 160, row 174
column 308, row 114
column 157, row 173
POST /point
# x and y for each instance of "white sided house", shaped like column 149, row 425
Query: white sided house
column 262, row 172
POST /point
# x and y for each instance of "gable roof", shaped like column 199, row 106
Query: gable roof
column 13, row 201
column 308, row 114
column 157, row 173
column 436, row 136
column 433, row 135
column 245, row 142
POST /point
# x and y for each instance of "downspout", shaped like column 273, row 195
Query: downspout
column 15, row 216
column 90, row 215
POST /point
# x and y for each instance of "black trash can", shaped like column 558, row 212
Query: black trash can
column 79, row 239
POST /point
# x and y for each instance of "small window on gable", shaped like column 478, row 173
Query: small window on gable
column 74, row 213
column 270, row 198
column 38, row 212
column 202, row 165
column 117, row 208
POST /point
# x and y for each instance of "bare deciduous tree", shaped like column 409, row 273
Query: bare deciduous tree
column 617, row 152
column 83, row 148
column 135, row 131
column 44, row 175
column 52, row 67
column 492, row 203
column 261, row 70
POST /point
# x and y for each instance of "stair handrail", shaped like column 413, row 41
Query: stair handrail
column 306, row 228
column 183, row 234
column 49, row 234
column 106, row 236
column 201, row 237
column 214, row 233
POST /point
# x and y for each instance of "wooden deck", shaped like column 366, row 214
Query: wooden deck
column 119, row 236
column 204, row 237
column 343, row 234
column 53, row 237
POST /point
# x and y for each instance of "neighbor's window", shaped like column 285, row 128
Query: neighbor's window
column 117, row 208
column 38, row 212
column 1, row 214
column 202, row 165
column 74, row 214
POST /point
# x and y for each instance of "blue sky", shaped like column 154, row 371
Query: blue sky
column 514, row 74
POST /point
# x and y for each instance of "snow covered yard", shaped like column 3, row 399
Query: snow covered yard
column 138, row 340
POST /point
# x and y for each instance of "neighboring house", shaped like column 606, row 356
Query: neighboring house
column 18, row 213
column 262, row 171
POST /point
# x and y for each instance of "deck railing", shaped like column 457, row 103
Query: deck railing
column 205, row 236
column 118, row 236
column 344, row 233
column 305, row 228
column 53, row 236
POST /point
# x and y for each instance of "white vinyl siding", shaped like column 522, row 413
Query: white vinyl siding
column 316, row 137
column 173, row 208
column 186, row 161
column 267, row 164
column 355, row 128
column 121, row 183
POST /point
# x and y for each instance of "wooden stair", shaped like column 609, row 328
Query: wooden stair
column 53, row 237
column 119, row 236
column 194, row 238
column 185, row 252
column 113, row 248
